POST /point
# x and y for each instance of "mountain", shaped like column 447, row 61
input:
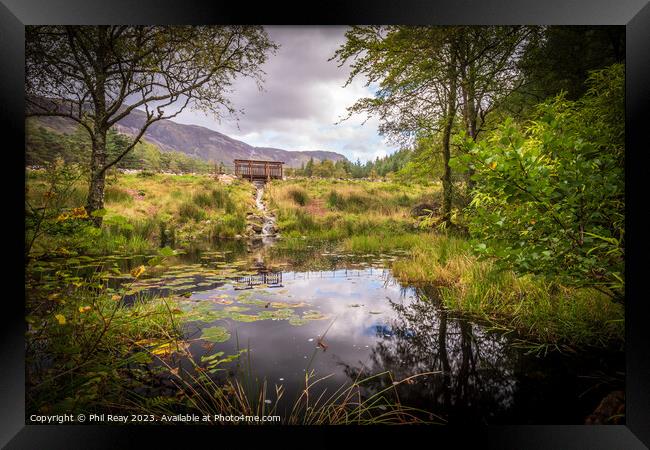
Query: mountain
column 198, row 141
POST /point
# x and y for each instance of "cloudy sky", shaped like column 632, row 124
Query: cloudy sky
column 302, row 100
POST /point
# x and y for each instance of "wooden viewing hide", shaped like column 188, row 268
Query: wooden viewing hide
column 258, row 170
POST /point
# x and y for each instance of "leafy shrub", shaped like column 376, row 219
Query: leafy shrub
column 549, row 197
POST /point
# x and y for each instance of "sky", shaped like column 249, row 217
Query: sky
column 303, row 98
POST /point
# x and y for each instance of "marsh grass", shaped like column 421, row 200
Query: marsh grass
column 333, row 210
column 298, row 195
column 541, row 312
column 190, row 206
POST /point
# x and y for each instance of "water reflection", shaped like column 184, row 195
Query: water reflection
column 473, row 372
column 270, row 279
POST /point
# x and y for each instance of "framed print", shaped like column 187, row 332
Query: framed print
column 275, row 220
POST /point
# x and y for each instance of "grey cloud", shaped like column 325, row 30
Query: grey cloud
column 302, row 98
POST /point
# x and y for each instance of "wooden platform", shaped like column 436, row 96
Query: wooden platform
column 258, row 170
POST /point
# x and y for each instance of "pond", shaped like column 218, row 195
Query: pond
column 341, row 318
column 346, row 318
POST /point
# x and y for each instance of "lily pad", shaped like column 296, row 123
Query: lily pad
column 245, row 317
column 215, row 334
column 236, row 308
column 313, row 315
column 297, row 321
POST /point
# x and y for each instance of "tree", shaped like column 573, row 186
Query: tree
column 559, row 58
column 427, row 75
column 309, row 168
column 416, row 72
column 97, row 75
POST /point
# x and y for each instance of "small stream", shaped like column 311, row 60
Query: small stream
column 269, row 231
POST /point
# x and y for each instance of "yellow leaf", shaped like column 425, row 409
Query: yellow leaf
column 135, row 273
column 493, row 165
column 79, row 213
column 163, row 349
column 60, row 318
column 116, row 297
column 83, row 309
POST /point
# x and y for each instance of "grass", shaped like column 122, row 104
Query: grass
column 380, row 243
column 333, row 210
column 190, row 207
column 538, row 310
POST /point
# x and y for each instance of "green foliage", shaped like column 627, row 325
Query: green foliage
column 549, row 196
column 52, row 208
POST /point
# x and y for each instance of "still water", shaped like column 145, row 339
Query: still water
column 346, row 318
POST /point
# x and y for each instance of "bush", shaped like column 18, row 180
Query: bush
column 549, row 197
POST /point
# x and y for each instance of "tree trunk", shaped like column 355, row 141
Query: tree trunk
column 470, row 116
column 98, row 158
column 95, row 200
column 447, row 186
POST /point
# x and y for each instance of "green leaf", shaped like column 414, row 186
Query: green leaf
column 166, row 252
column 215, row 334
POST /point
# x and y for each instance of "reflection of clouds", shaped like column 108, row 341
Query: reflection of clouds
column 333, row 293
column 408, row 335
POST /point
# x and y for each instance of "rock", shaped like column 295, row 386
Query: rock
column 256, row 227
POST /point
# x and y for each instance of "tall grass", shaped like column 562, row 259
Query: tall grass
column 538, row 310
column 298, row 195
column 190, row 211
column 380, row 242
column 115, row 194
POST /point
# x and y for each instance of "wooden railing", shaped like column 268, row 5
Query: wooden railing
column 258, row 170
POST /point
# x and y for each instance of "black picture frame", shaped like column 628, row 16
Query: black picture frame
column 633, row 14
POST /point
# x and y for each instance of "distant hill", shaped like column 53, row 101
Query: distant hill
column 199, row 141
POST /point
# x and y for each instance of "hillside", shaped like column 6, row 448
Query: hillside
column 200, row 142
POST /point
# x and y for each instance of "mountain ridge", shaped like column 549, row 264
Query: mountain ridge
column 199, row 141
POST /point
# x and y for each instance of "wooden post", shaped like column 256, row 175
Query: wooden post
column 250, row 170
